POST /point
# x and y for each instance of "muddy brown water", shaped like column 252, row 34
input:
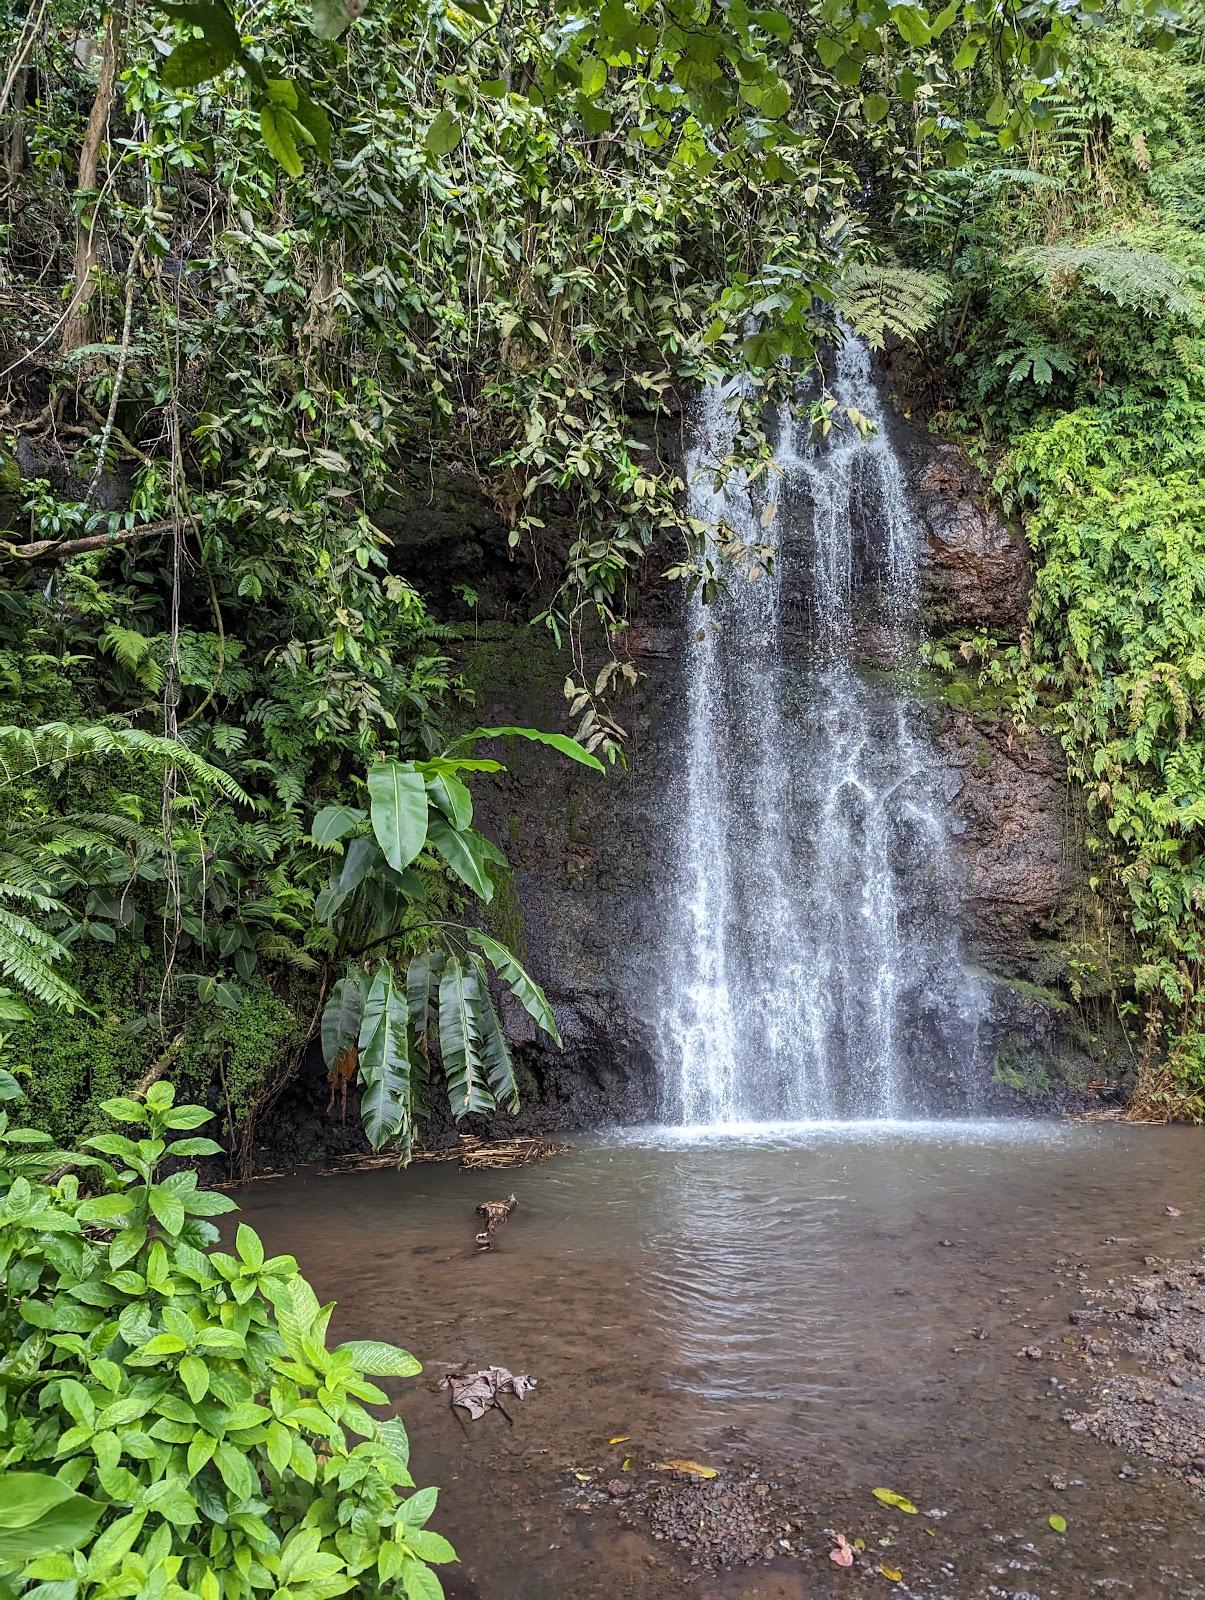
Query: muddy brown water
column 835, row 1308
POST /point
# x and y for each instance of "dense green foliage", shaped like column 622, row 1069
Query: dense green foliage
column 174, row 1423
column 1072, row 355
column 223, row 384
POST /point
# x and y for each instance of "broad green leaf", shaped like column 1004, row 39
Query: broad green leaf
column 518, row 980
column 468, row 854
column 1059, row 1524
column 37, row 1519
column 341, row 1018
column 459, row 1045
column 444, row 134
column 495, row 1053
column 333, row 822
column 380, row 1360
column 399, row 810
column 330, row 18
column 278, row 128
column 556, row 741
column 196, row 61
column 452, row 798
column 876, row 107
column 384, row 1045
column 419, row 1582
column 167, row 1208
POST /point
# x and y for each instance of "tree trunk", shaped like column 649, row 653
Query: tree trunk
column 76, row 324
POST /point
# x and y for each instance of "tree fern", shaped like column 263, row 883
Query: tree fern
column 1132, row 277
column 877, row 300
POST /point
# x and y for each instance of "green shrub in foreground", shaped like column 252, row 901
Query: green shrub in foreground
column 172, row 1423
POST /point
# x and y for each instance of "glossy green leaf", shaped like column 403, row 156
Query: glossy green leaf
column 398, row 811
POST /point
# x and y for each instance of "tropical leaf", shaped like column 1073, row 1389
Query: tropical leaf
column 380, row 1360
column 333, row 822
column 341, row 1018
column 495, row 1053
column 362, row 855
column 518, row 980
column 384, row 1047
column 468, row 854
column 459, row 1044
column 398, row 812
column 558, row 741
column 882, row 299
column 452, row 797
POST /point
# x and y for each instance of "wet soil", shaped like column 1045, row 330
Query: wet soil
column 811, row 1315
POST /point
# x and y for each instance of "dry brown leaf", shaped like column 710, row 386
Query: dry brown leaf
column 695, row 1468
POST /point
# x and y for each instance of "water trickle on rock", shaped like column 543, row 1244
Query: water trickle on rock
column 813, row 968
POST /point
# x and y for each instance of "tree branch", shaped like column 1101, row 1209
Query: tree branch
column 59, row 550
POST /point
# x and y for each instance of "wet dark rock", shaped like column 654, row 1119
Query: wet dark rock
column 977, row 573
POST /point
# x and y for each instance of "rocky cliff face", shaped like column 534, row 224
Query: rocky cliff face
column 592, row 854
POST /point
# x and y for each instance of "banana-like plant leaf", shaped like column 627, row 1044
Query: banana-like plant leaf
column 384, row 1046
column 499, row 1068
column 558, row 741
column 452, row 798
column 341, row 1018
column 467, row 854
column 333, row 822
column 362, row 855
column 422, row 991
column 398, row 798
column 459, row 1044
column 518, row 980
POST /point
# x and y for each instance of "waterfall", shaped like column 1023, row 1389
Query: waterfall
column 812, row 966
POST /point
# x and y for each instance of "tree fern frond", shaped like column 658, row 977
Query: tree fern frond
column 1130, row 276
column 877, row 300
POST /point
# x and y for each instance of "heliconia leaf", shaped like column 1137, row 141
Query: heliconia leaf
column 398, row 798
column 332, row 822
column 518, row 980
column 459, row 1046
column 558, row 741
column 499, row 1069
column 384, row 1046
column 341, row 1018
column 468, row 854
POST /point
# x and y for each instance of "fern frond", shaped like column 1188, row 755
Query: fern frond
column 30, row 957
column 25, row 750
column 1130, row 276
column 877, row 300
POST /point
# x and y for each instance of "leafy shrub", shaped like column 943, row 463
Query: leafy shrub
column 172, row 1421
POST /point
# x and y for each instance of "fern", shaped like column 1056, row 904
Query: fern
column 877, row 300
column 54, row 744
column 1038, row 362
column 1130, row 276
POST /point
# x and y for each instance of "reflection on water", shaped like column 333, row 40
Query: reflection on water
column 843, row 1305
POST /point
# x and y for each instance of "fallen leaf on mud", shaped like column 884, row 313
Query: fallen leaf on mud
column 888, row 1497
column 582, row 1477
column 892, row 1573
column 626, row 1464
column 476, row 1392
column 859, row 1544
column 620, row 1438
column 1059, row 1524
column 843, row 1555
column 1172, row 1211
column 695, row 1468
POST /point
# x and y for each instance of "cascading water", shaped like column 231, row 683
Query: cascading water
column 813, row 969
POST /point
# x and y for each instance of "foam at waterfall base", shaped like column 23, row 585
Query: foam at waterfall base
column 861, row 1131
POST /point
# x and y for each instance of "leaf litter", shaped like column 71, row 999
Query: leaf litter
column 476, row 1392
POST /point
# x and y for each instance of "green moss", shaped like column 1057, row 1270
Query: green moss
column 1023, row 1073
column 960, row 690
column 68, row 1064
column 10, row 493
